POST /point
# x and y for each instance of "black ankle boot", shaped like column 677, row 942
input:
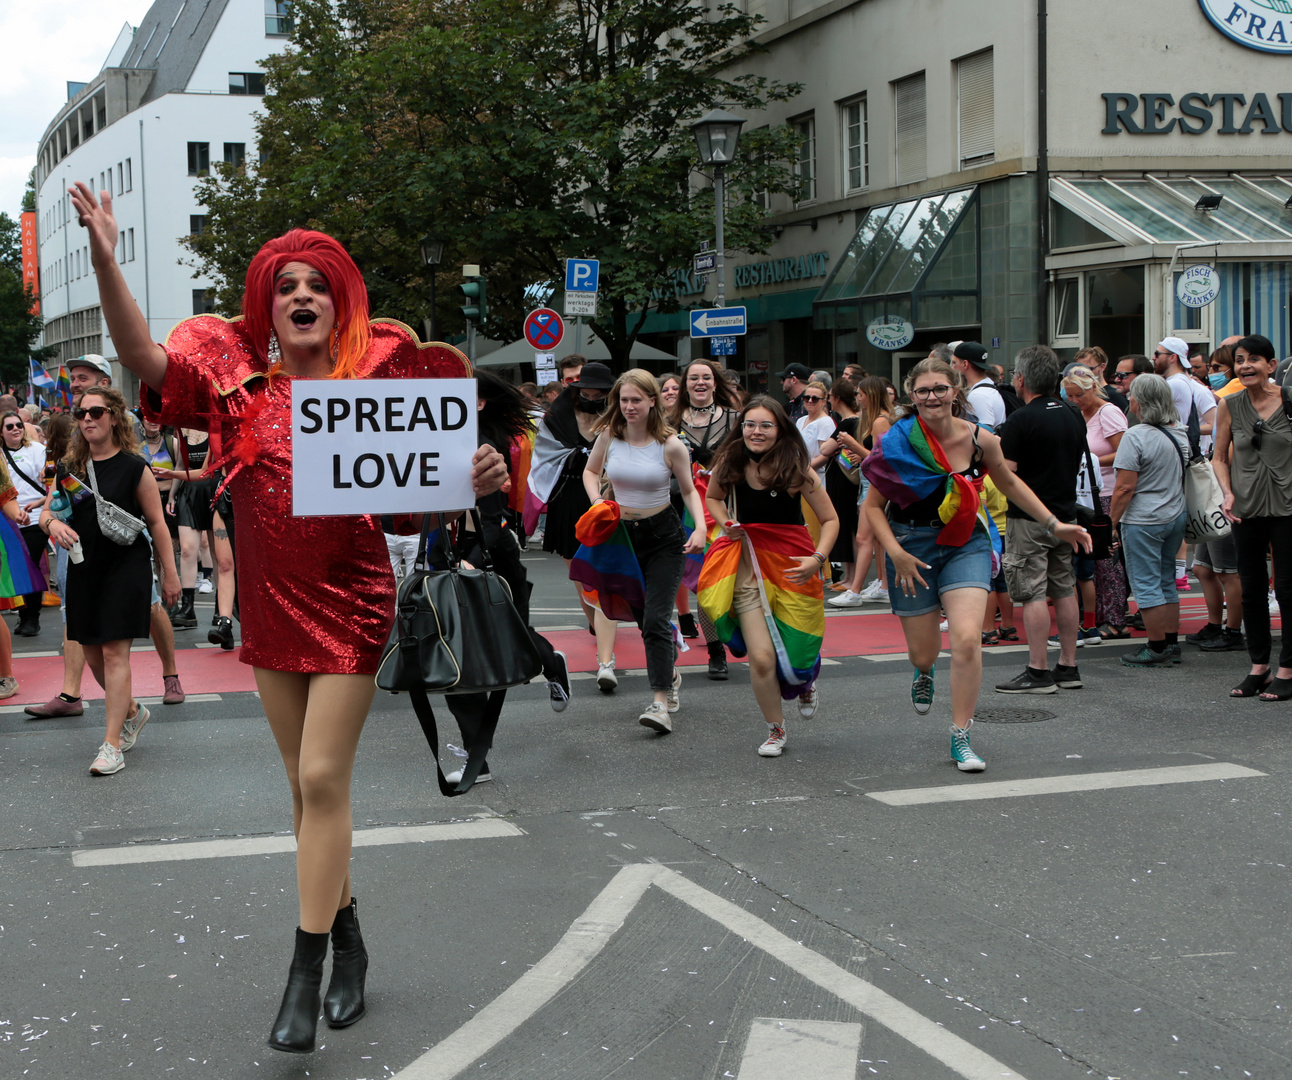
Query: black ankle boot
column 298, row 1016
column 183, row 617
column 221, row 632
column 717, row 660
column 343, row 1004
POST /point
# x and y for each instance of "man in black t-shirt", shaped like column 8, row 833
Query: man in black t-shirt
column 1044, row 442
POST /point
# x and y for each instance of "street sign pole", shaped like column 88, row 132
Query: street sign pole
column 578, row 333
column 720, row 268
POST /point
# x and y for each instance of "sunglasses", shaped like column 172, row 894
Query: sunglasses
column 13, row 427
column 94, row 412
column 812, row 398
column 1258, row 429
column 1122, row 376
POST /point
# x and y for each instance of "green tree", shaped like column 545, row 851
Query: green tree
column 522, row 133
column 19, row 326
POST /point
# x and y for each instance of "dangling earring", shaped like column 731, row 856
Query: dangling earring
column 336, row 344
column 275, row 350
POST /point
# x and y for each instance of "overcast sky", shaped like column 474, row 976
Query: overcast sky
column 48, row 44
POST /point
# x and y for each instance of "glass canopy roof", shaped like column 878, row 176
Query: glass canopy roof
column 895, row 247
column 1160, row 210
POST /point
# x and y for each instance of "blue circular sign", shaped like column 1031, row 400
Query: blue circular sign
column 1263, row 25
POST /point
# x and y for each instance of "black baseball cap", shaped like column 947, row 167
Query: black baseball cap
column 971, row 352
column 800, row 371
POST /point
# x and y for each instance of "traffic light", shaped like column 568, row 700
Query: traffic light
column 476, row 308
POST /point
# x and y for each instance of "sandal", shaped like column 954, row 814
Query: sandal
column 1008, row 633
column 1278, row 690
column 1110, row 633
column 990, row 637
column 1252, row 685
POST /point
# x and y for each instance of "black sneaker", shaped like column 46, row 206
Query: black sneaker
column 1208, row 633
column 717, row 661
column 1069, row 678
column 1226, row 641
column 1030, row 682
column 686, row 623
column 558, row 683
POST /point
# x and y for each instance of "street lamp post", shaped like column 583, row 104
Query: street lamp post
column 432, row 253
column 716, row 134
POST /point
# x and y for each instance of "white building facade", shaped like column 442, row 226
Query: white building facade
column 176, row 94
column 1015, row 172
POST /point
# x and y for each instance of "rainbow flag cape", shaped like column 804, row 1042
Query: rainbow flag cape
column 695, row 560
column 606, row 567
column 19, row 576
column 796, row 608
column 909, row 464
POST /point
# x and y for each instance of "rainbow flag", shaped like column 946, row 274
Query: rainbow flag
column 606, row 567
column 19, row 576
column 74, row 489
column 63, row 385
column 797, row 611
column 695, row 560
column 909, row 464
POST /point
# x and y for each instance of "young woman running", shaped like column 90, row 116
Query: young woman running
column 756, row 488
column 925, row 508
column 639, row 453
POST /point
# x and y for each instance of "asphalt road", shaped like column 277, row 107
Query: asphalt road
column 616, row 903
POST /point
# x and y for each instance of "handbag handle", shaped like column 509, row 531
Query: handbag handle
column 442, row 545
column 1090, row 470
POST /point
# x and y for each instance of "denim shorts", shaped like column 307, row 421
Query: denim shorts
column 966, row 567
column 1150, row 560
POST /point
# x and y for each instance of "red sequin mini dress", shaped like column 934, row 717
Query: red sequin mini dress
column 315, row 594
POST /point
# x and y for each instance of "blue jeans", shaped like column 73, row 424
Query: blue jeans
column 968, row 566
column 657, row 542
column 1150, row 559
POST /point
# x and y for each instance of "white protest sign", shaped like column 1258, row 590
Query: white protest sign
column 382, row 446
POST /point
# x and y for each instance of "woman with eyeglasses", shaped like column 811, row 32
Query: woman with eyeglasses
column 703, row 415
column 760, row 481
column 26, row 460
column 109, row 587
column 1253, row 463
column 925, row 507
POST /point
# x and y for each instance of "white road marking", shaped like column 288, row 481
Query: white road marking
column 603, row 918
column 479, row 829
column 821, row 1049
column 1055, row 785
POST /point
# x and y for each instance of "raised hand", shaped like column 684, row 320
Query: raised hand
column 98, row 220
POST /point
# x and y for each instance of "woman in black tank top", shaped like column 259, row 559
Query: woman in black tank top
column 759, row 480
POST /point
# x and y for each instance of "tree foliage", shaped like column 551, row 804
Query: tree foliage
column 521, row 132
column 19, row 326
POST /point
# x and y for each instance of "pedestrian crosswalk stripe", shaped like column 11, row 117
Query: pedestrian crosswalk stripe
column 477, row 829
column 822, row 1049
column 1057, row 785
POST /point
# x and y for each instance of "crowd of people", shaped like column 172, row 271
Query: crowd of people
column 964, row 492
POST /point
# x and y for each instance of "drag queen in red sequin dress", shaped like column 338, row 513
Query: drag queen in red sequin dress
column 317, row 594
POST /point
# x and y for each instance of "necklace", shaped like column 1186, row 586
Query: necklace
column 697, row 410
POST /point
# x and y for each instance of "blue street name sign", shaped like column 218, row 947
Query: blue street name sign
column 717, row 322
column 706, row 262
column 581, row 275
column 722, row 346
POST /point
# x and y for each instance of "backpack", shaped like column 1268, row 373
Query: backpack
column 1010, row 399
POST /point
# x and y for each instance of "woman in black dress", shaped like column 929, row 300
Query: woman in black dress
column 842, row 488
column 109, row 590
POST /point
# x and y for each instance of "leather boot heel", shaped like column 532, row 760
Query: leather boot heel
column 298, row 1015
column 344, row 1003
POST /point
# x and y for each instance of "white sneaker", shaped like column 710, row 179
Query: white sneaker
column 674, row 693
column 1274, row 603
column 133, row 726
column 775, row 742
column 875, row 593
column 455, row 777
column 606, row 678
column 108, row 761
column 205, row 585
column 8, row 686
column 656, row 716
column 944, row 626
column 808, row 701
column 847, row 598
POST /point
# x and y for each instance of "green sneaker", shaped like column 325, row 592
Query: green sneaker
column 922, row 690
column 962, row 753
column 1146, row 657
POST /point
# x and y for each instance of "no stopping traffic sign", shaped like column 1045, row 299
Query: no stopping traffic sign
column 544, row 329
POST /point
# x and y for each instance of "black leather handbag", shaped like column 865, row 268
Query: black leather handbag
column 456, row 632
column 1098, row 524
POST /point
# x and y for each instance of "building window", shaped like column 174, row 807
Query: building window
column 1066, row 298
column 130, row 180
column 246, row 82
column 199, row 158
column 805, row 157
column 909, row 126
column 202, row 304
column 121, row 179
column 130, row 245
column 196, row 224
column 235, row 154
column 977, row 107
column 278, row 18
column 855, row 123
column 121, row 246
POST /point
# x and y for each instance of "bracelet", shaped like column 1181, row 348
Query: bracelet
column 1050, row 523
column 819, row 558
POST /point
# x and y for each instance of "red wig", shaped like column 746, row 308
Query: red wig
column 349, row 294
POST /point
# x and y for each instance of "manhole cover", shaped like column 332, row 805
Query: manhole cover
column 1011, row 716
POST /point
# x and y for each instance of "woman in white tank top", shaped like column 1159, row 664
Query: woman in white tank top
column 639, row 453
